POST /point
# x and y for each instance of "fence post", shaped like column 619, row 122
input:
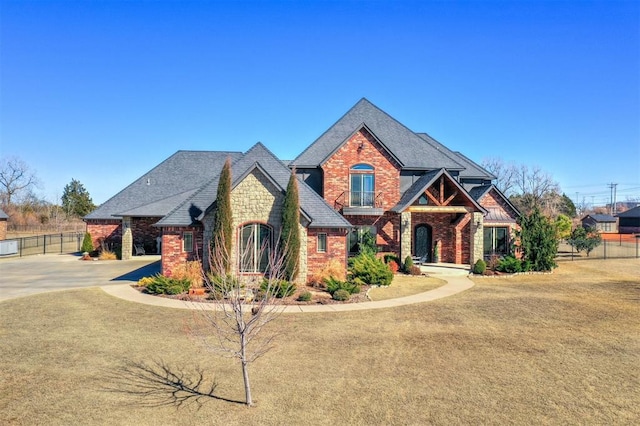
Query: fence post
column 44, row 244
column 61, row 239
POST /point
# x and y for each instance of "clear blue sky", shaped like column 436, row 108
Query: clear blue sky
column 102, row 91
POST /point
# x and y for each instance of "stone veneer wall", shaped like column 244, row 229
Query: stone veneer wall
column 109, row 230
column 336, row 250
column 172, row 244
column 3, row 229
column 257, row 200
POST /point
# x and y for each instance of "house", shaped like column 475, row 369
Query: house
column 366, row 173
column 603, row 223
column 629, row 221
column 4, row 218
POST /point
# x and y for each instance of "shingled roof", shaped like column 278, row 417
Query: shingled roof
column 409, row 149
column 494, row 214
column 319, row 213
column 3, row 215
column 159, row 190
column 471, row 168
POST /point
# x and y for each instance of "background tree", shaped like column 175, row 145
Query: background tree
column 563, row 227
column 222, row 233
column 76, row 200
column 15, row 178
column 584, row 239
column 290, row 235
column 538, row 241
column 527, row 187
column 504, row 173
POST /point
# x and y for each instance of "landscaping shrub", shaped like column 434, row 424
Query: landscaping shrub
column 415, row 270
column 305, row 296
column 393, row 265
column 479, row 267
column 333, row 268
column 167, row 285
column 493, row 263
column 510, row 265
column 279, row 288
column 145, row 281
column 87, row 243
column 191, row 271
column 388, row 258
column 367, row 269
column 107, row 255
column 408, row 263
column 334, row 285
column 220, row 285
column 341, row 295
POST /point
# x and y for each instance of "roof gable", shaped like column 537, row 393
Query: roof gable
column 480, row 192
column 314, row 208
column 601, row 218
column 425, row 182
column 471, row 168
column 411, row 151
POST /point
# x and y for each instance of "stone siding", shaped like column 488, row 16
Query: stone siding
column 257, row 200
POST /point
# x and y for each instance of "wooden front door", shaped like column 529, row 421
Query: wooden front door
column 422, row 242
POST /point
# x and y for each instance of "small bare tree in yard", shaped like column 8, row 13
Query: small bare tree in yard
column 237, row 327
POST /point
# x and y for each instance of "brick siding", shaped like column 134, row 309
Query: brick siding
column 107, row 230
column 172, row 247
column 145, row 233
column 3, row 230
column 455, row 243
column 361, row 148
column 336, row 249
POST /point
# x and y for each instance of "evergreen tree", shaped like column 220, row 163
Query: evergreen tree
column 290, row 236
column 538, row 241
column 76, row 200
column 222, row 235
column 87, row 243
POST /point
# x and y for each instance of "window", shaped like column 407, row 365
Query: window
column 187, row 242
column 359, row 235
column 606, row 226
column 322, row 243
column 362, row 186
column 423, row 200
column 255, row 247
column 496, row 241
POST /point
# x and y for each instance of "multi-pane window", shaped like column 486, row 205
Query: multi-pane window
column 322, row 243
column 362, row 186
column 187, row 242
column 255, row 247
column 496, row 241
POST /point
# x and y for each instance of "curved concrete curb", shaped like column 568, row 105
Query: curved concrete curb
column 455, row 284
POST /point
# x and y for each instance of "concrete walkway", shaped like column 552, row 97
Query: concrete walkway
column 456, row 277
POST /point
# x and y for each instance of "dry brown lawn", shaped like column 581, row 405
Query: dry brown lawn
column 542, row 349
column 405, row 285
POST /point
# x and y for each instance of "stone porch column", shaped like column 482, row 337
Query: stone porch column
column 127, row 239
column 405, row 235
column 477, row 238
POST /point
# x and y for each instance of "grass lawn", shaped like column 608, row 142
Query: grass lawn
column 405, row 285
column 562, row 348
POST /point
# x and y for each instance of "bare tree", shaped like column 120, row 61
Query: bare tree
column 237, row 327
column 505, row 173
column 15, row 177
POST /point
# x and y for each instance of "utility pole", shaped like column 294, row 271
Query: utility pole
column 612, row 187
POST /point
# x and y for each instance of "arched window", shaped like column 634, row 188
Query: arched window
column 255, row 247
column 363, row 186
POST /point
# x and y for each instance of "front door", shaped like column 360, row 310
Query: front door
column 422, row 242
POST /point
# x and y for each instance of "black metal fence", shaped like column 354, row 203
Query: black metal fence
column 43, row 244
column 608, row 249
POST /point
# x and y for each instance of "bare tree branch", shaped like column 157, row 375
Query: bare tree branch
column 15, row 177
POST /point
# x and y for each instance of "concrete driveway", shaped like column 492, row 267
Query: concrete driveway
column 38, row 274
